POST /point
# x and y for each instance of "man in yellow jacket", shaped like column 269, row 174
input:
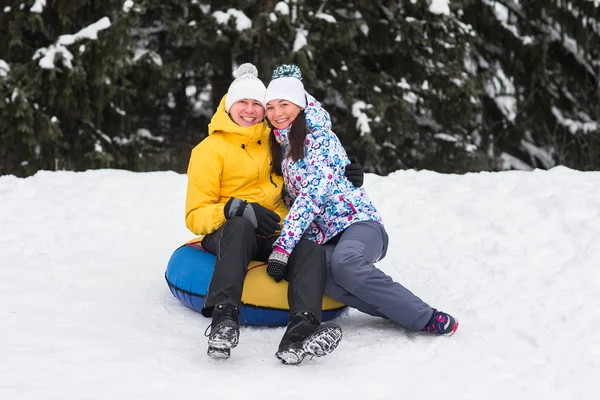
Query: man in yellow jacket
column 236, row 202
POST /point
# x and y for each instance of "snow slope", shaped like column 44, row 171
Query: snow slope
column 86, row 313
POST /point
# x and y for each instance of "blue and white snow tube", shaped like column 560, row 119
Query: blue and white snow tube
column 264, row 301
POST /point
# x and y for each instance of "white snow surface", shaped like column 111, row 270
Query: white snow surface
column 301, row 39
column 327, row 17
column 573, row 125
column 47, row 55
column 242, row 22
column 501, row 89
column 38, row 6
column 4, row 68
column 86, row 313
column 282, row 8
column 128, row 5
column 362, row 119
column 439, row 7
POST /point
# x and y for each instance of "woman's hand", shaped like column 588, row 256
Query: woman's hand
column 277, row 263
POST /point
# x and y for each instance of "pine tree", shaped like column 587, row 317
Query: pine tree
column 176, row 46
column 541, row 107
column 58, row 101
column 476, row 85
column 119, row 100
column 392, row 76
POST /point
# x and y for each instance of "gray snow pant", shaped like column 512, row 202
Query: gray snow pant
column 353, row 279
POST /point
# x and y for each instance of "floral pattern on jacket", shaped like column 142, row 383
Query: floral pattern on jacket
column 322, row 202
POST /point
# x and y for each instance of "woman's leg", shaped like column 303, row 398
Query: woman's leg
column 306, row 276
column 352, row 268
column 335, row 291
column 304, row 334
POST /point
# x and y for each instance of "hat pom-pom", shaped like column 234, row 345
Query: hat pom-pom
column 246, row 70
column 287, row 71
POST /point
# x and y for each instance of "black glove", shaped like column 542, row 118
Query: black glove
column 264, row 221
column 355, row 172
column 277, row 264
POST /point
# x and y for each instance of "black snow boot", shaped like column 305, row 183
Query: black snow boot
column 305, row 337
column 224, row 331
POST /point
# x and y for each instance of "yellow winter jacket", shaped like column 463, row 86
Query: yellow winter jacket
column 233, row 161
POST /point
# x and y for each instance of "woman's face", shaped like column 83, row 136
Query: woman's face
column 247, row 112
column 282, row 113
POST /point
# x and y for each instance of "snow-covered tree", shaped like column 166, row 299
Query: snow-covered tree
column 63, row 90
column 393, row 75
column 90, row 84
column 542, row 101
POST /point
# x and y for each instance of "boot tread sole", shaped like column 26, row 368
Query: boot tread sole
column 321, row 342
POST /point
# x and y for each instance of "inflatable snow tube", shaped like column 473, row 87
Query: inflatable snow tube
column 264, row 301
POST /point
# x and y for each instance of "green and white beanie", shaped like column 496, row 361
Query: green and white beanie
column 286, row 84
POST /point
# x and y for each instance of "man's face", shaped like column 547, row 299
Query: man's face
column 247, row 112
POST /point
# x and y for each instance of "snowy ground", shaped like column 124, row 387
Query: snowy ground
column 86, row 314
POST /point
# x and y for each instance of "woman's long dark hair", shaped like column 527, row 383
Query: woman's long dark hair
column 296, row 136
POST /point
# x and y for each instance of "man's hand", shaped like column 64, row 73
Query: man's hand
column 264, row 221
column 355, row 172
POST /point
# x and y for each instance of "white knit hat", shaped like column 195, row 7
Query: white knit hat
column 245, row 86
column 287, row 84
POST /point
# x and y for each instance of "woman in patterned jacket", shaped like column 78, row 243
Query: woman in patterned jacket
column 326, row 208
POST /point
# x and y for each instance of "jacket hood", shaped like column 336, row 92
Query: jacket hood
column 222, row 123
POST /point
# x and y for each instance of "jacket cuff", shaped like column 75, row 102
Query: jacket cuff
column 231, row 207
column 280, row 250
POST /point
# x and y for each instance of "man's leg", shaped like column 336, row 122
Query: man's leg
column 234, row 244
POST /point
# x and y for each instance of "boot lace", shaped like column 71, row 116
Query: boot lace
column 228, row 312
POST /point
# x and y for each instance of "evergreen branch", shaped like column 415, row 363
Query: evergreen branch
column 545, row 28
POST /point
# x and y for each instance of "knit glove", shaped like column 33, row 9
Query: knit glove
column 355, row 172
column 264, row 221
column 277, row 263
